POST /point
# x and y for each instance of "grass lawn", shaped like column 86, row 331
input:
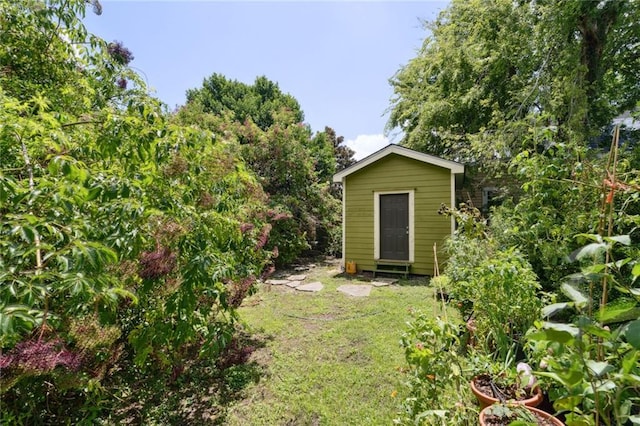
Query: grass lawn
column 327, row 358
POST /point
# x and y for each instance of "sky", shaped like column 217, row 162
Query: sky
column 334, row 57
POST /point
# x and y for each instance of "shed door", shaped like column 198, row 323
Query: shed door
column 394, row 226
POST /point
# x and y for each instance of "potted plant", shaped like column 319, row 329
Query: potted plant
column 521, row 388
column 516, row 415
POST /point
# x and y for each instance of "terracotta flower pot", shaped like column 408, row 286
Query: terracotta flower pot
column 486, row 400
column 550, row 419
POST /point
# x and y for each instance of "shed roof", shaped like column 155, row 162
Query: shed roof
column 456, row 168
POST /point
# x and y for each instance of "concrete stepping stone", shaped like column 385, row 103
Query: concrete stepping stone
column 381, row 282
column 296, row 277
column 314, row 286
column 277, row 282
column 293, row 284
column 355, row 290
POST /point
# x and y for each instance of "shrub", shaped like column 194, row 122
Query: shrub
column 501, row 294
column 465, row 254
column 438, row 373
column 593, row 360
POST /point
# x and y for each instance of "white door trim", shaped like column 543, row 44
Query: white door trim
column 376, row 221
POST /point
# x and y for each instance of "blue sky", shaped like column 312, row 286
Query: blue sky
column 334, row 57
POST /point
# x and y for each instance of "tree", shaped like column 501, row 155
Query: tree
column 526, row 88
column 342, row 153
column 121, row 233
column 294, row 167
column 492, row 74
column 257, row 102
column 330, row 153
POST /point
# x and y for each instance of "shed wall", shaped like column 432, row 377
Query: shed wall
column 432, row 186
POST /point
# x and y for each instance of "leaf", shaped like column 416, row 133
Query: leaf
column 630, row 361
column 551, row 335
column 621, row 239
column 574, row 294
column 125, row 294
column 567, row 378
column 599, row 368
column 605, row 386
column 569, row 328
column 636, row 271
column 635, row 419
column 619, row 312
column 632, row 333
column 593, row 237
column 620, row 263
column 554, row 308
column 590, row 250
column 93, row 193
column 596, row 330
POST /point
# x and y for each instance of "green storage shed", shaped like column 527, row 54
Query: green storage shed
column 390, row 203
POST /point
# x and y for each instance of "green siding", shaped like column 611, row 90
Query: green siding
column 432, row 186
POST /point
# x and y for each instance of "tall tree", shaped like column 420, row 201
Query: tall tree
column 257, row 102
column 293, row 166
column 495, row 77
column 331, row 154
column 342, row 153
column 120, row 231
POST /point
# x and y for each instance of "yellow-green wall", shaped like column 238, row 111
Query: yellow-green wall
column 431, row 186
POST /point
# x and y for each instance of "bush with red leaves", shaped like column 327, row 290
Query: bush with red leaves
column 156, row 264
column 246, row 227
column 264, row 236
column 41, row 356
column 267, row 272
column 240, row 290
column 119, row 53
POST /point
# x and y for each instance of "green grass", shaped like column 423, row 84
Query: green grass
column 327, row 358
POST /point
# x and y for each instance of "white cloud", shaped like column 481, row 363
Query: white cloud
column 365, row 145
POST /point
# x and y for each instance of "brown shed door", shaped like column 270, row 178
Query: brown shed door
column 394, row 226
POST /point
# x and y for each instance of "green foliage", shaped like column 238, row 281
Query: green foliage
column 550, row 210
column 492, row 74
column 122, row 233
column 505, row 294
column 438, row 373
column 590, row 384
column 293, row 166
column 256, row 103
column 561, row 194
column 594, row 366
column 495, row 289
column 464, row 255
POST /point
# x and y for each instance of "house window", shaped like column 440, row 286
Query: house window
column 490, row 198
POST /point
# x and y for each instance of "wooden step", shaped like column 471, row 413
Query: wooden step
column 392, row 267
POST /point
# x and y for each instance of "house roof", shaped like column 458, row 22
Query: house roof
column 456, row 168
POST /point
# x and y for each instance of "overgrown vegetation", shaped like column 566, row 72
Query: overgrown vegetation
column 129, row 236
column 551, row 280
